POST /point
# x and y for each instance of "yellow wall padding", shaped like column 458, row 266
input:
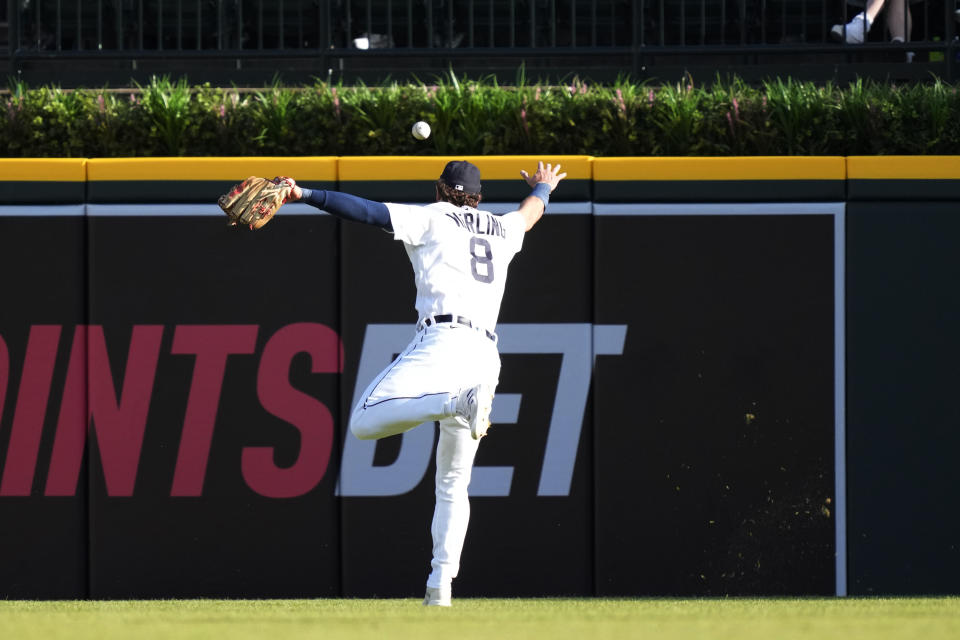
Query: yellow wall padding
column 903, row 167
column 388, row 168
column 429, row 167
column 43, row 169
column 739, row 168
column 300, row 168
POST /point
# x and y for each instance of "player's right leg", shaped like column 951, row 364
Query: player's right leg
column 456, row 449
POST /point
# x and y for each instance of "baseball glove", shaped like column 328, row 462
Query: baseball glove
column 254, row 201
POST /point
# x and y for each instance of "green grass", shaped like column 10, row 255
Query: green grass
column 546, row 619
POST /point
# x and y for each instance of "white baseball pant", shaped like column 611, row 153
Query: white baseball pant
column 422, row 385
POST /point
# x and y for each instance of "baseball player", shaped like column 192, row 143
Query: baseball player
column 450, row 369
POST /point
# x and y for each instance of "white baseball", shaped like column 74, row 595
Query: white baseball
column 421, row 130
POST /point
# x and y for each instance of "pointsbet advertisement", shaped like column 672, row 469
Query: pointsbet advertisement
column 175, row 396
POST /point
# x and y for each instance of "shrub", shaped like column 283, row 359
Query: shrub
column 729, row 117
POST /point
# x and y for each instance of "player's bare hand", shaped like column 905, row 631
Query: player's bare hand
column 296, row 192
column 545, row 173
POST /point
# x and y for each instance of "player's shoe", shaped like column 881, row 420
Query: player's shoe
column 854, row 32
column 437, row 597
column 473, row 407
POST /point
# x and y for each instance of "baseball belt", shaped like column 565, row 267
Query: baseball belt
column 449, row 317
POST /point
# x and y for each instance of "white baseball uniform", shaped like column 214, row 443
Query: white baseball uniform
column 460, row 257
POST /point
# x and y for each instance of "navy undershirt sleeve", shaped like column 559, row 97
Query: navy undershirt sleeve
column 348, row 207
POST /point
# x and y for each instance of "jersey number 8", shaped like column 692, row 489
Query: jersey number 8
column 481, row 254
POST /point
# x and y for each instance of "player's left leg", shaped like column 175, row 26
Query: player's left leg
column 429, row 381
column 419, row 386
column 374, row 420
column 455, row 453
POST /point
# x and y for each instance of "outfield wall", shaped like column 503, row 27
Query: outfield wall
column 711, row 385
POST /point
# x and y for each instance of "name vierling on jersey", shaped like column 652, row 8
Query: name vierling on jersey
column 478, row 223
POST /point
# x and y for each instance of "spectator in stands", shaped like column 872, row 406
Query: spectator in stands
column 444, row 22
column 897, row 15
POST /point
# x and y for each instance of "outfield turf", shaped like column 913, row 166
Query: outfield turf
column 536, row 619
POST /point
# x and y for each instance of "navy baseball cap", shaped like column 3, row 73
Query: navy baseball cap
column 462, row 176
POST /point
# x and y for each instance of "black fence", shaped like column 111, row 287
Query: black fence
column 244, row 40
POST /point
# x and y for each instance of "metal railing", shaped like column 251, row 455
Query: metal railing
column 248, row 28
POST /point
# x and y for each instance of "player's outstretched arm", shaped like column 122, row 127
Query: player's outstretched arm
column 346, row 206
column 543, row 182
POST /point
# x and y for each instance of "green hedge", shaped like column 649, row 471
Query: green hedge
column 779, row 117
